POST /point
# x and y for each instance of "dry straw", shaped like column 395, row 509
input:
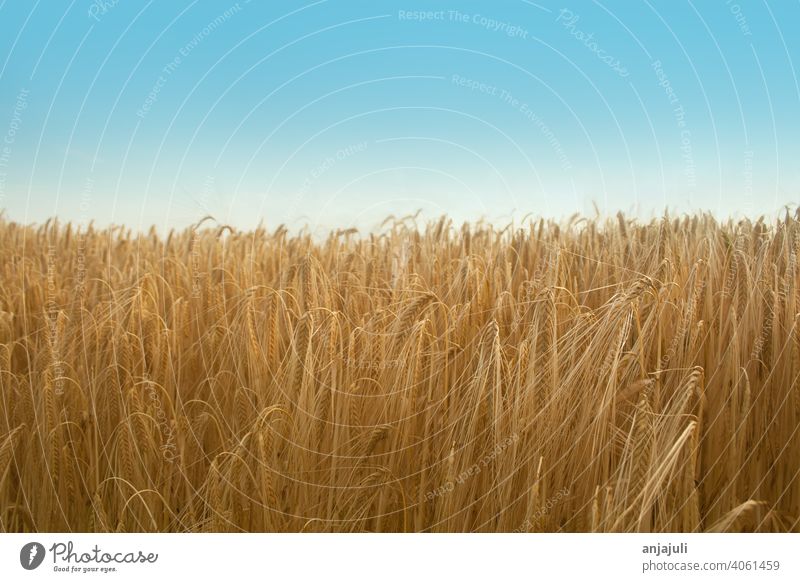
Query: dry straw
column 624, row 376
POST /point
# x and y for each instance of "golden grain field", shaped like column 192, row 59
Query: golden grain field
column 604, row 375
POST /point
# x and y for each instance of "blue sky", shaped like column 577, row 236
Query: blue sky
column 338, row 113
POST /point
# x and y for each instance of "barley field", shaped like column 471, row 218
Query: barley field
column 605, row 375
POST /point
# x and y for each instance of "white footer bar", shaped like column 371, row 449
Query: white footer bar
column 386, row 557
